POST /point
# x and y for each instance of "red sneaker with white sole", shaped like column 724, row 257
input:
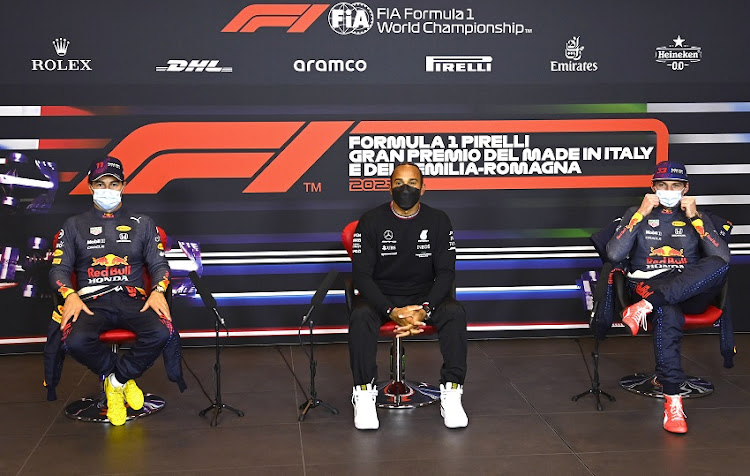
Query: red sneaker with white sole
column 634, row 316
column 674, row 417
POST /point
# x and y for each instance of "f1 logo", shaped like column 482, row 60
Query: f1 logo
column 272, row 155
column 298, row 17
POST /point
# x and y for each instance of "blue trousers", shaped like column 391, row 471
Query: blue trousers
column 117, row 310
column 674, row 293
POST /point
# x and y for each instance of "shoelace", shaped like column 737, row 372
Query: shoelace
column 675, row 409
column 641, row 317
column 450, row 394
column 644, row 319
column 372, row 394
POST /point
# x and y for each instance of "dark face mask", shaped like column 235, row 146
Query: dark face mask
column 405, row 196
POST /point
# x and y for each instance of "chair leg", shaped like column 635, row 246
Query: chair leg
column 399, row 392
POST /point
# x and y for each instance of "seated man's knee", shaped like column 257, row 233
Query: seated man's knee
column 453, row 310
column 79, row 341
column 162, row 334
column 717, row 262
column 361, row 310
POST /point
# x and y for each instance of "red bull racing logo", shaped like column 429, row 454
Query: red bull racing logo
column 666, row 257
column 666, row 250
column 634, row 220
column 116, row 268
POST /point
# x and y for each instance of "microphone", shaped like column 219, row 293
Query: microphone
column 206, row 296
column 320, row 294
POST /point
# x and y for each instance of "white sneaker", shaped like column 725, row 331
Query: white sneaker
column 365, row 413
column 451, row 409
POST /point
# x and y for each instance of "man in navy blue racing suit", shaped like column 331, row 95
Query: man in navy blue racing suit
column 678, row 264
column 107, row 249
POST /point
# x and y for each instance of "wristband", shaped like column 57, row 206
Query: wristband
column 427, row 310
column 65, row 291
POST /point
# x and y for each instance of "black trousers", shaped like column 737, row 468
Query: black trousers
column 117, row 310
column 690, row 291
column 364, row 324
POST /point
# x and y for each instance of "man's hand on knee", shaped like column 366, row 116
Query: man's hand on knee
column 72, row 308
column 158, row 303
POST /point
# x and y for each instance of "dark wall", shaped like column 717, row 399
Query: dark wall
column 263, row 165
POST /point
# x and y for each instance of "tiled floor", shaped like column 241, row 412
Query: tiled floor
column 517, row 394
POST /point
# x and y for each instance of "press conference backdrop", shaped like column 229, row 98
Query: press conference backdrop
column 253, row 133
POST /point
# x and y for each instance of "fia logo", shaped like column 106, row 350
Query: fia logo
column 350, row 18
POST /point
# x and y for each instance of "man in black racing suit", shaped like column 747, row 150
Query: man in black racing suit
column 404, row 262
column 678, row 264
column 106, row 249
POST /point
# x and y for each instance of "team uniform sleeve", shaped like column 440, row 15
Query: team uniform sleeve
column 364, row 257
column 619, row 246
column 711, row 243
column 444, row 263
column 158, row 266
column 63, row 260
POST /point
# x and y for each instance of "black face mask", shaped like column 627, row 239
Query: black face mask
column 405, row 196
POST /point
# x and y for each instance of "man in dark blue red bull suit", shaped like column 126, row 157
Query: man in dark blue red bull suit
column 107, row 249
column 678, row 264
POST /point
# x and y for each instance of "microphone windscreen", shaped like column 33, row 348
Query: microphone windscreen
column 206, row 296
column 320, row 294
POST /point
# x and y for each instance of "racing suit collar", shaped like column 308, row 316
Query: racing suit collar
column 96, row 213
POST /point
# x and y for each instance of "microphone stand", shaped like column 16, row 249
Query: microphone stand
column 595, row 390
column 218, row 405
column 313, row 401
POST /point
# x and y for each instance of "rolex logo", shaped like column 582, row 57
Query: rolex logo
column 68, row 64
column 61, row 46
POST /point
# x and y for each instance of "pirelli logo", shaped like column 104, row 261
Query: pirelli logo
column 458, row 64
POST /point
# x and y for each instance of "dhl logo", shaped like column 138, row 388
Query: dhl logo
column 109, row 260
column 273, row 156
column 667, row 250
column 297, row 17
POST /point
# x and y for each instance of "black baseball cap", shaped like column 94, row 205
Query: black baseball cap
column 109, row 166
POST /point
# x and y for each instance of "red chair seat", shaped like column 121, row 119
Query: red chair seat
column 116, row 336
column 705, row 319
column 386, row 330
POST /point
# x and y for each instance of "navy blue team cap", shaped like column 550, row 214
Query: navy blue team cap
column 107, row 166
column 670, row 171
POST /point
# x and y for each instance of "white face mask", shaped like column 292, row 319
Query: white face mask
column 107, row 199
column 669, row 198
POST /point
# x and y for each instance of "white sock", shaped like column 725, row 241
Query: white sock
column 113, row 380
